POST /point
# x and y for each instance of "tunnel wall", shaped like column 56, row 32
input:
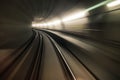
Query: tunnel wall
column 15, row 23
column 102, row 23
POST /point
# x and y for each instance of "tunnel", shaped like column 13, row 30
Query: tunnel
column 59, row 39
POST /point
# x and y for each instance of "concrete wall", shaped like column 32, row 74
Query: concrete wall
column 14, row 24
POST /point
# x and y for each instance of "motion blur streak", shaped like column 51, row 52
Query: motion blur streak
column 114, row 3
column 70, row 40
column 80, row 14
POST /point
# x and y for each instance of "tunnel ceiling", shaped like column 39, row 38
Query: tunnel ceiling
column 26, row 10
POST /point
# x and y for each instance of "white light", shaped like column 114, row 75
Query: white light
column 44, row 24
column 36, row 24
column 75, row 16
column 54, row 22
column 33, row 25
column 57, row 22
column 114, row 3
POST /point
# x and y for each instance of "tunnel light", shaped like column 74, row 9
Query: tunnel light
column 33, row 24
column 57, row 22
column 114, row 3
column 44, row 24
column 54, row 22
column 75, row 16
column 37, row 24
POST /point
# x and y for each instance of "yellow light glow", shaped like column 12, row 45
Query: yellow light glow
column 54, row 22
column 75, row 16
column 33, row 25
column 114, row 3
column 37, row 24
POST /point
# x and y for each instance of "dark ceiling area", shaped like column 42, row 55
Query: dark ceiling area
column 23, row 11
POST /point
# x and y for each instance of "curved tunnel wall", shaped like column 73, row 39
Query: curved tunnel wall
column 102, row 24
column 16, row 17
column 14, row 23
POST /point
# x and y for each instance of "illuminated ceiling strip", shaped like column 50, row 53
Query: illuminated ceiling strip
column 80, row 14
column 98, row 5
column 83, row 14
column 114, row 3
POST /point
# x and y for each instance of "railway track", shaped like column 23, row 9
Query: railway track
column 42, row 58
column 101, row 60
